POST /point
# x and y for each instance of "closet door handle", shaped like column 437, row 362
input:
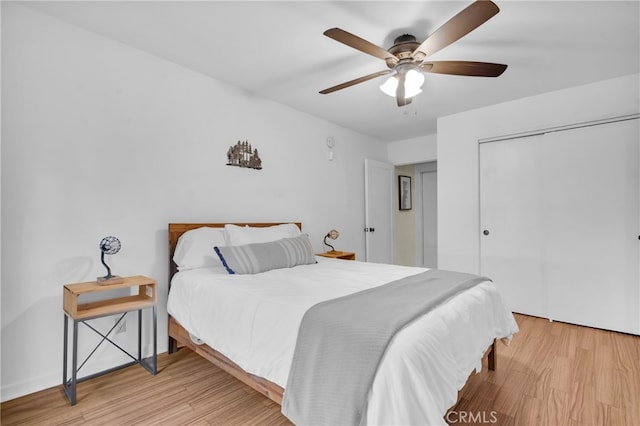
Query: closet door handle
column 485, row 232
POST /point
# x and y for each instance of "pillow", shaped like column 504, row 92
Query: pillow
column 262, row 257
column 240, row 235
column 195, row 248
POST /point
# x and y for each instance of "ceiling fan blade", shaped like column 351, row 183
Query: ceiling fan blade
column 455, row 28
column 468, row 68
column 355, row 81
column 401, row 99
column 360, row 44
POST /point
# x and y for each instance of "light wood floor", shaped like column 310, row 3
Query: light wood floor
column 552, row 374
column 559, row 374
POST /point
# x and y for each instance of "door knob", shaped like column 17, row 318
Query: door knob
column 485, row 232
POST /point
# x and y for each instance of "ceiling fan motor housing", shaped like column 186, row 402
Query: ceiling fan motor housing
column 403, row 47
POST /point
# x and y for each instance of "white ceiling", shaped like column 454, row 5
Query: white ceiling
column 277, row 50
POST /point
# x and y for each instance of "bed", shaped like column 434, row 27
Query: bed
column 247, row 325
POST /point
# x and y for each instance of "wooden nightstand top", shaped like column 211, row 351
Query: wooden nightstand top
column 146, row 297
column 345, row 255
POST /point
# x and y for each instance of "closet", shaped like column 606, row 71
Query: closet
column 560, row 223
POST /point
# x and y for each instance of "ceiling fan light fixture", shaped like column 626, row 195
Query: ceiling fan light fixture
column 413, row 81
column 389, row 87
column 413, row 92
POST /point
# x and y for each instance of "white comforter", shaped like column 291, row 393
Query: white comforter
column 254, row 320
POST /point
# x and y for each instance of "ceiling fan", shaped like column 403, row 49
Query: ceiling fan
column 406, row 58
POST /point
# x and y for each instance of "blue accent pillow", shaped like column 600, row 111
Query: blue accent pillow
column 262, row 257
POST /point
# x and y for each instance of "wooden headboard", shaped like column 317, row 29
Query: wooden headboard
column 177, row 229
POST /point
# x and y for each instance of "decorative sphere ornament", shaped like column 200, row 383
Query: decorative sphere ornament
column 109, row 245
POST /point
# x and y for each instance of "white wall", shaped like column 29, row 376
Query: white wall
column 458, row 135
column 412, row 151
column 101, row 139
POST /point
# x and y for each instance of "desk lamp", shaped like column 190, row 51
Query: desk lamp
column 333, row 234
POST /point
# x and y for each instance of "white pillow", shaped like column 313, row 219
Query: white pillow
column 195, row 248
column 241, row 235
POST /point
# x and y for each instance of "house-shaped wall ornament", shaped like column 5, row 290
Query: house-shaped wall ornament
column 242, row 155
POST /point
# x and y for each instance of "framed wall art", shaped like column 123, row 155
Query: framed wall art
column 404, row 191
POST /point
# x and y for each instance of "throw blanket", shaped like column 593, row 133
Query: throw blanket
column 342, row 341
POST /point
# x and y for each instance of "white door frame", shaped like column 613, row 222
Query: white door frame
column 426, row 167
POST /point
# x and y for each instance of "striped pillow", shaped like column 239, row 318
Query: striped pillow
column 262, row 257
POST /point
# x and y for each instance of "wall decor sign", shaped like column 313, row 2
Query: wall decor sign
column 243, row 155
column 404, row 190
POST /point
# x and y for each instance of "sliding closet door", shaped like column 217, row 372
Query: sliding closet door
column 591, row 226
column 511, row 220
column 563, row 219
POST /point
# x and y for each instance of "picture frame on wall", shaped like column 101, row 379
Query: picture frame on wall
column 404, row 192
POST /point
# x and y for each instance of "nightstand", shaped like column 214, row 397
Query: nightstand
column 83, row 312
column 335, row 254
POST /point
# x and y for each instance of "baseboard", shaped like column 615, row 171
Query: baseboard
column 15, row 390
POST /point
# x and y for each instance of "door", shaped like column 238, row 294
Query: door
column 561, row 214
column 591, row 220
column 427, row 220
column 510, row 217
column 378, row 211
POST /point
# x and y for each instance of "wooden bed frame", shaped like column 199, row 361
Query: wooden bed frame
column 179, row 337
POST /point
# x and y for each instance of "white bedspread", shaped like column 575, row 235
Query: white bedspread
column 254, row 320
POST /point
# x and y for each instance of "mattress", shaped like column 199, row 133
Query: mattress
column 254, row 319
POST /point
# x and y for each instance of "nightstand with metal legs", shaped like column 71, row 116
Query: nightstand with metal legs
column 82, row 313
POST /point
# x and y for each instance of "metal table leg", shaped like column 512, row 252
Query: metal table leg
column 155, row 341
column 64, row 355
column 139, row 335
column 70, row 384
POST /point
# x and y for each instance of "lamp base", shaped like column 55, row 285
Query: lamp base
column 114, row 279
